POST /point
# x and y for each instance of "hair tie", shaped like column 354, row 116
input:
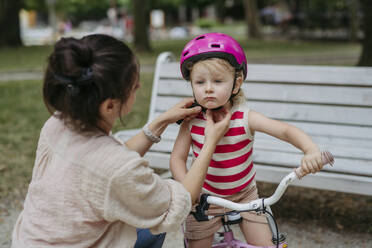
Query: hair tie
column 86, row 75
column 73, row 84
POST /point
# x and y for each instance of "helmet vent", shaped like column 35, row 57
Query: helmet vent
column 216, row 45
column 201, row 37
column 185, row 53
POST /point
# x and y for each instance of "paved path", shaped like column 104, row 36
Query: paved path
column 20, row 75
column 300, row 235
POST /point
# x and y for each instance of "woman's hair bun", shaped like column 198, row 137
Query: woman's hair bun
column 70, row 56
column 82, row 73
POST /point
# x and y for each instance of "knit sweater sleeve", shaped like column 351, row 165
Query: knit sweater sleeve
column 140, row 198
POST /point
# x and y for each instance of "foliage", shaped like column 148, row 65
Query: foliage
column 198, row 3
column 79, row 10
column 205, row 23
column 39, row 5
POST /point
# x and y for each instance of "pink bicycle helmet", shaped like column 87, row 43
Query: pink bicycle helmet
column 213, row 45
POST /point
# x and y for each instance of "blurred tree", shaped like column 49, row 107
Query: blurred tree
column 366, row 55
column 220, row 8
column 141, row 37
column 9, row 22
column 82, row 10
column 39, row 5
column 252, row 20
column 354, row 21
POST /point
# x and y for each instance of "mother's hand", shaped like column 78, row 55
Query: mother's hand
column 181, row 111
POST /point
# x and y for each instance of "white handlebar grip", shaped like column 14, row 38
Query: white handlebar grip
column 327, row 158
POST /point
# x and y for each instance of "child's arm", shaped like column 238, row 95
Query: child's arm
column 193, row 179
column 180, row 153
column 311, row 162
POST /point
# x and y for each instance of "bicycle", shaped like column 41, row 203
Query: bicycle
column 261, row 206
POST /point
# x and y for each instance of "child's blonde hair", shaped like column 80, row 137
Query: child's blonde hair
column 217, row 64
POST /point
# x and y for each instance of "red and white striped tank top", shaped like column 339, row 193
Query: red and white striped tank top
column 231, row 168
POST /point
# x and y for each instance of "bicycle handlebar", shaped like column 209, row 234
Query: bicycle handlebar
column 327, row 158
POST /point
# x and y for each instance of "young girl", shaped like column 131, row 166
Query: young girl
column 88, row 189
column 216, row 66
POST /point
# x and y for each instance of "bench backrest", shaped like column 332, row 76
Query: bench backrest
column 331, row 104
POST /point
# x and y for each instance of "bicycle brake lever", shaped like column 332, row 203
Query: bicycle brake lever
column 203, row 206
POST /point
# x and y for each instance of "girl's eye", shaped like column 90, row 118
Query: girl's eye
column 218, row 81
column 199, row 82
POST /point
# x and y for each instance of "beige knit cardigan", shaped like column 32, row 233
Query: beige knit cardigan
column 93, row 192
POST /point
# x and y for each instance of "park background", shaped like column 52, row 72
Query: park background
column 312, row 32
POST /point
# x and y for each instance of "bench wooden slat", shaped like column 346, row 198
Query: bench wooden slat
column 343, row 95
column 272, row 174
column 329, row 131
column 274, row 151
column 327, row 75
column 298, row 112
column 358, row 148
column 321, row 180
column 335, row 130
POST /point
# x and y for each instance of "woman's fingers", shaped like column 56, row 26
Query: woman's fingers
column 319, row 162
column 188, row 101
column 185, row 109
column 181, row 110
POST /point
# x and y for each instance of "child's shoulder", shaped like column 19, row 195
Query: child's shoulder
column 242, row 114
column 240, row 109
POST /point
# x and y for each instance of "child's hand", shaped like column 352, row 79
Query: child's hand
column 311, row 162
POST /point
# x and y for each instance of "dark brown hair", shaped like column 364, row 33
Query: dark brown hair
column 82, row 73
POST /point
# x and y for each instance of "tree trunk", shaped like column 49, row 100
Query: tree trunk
column 251, row 17
column 354, row 21
column 220, row 7
column 9, row 23
column 141, row 35
column 366, row 56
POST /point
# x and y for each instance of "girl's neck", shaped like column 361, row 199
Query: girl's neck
column 227, row 106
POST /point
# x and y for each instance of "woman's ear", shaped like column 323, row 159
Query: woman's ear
column 238, row 84
column 109, row 108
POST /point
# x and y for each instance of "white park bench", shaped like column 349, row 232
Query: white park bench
column 332, row 104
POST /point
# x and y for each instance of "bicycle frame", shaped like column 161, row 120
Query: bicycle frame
column 258, row 205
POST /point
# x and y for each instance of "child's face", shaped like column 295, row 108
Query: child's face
column 212, row 87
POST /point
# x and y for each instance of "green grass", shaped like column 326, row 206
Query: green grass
column 21, row 118
column 24, row 58
column 22, row 114
column 34, row 58
column 263, row 49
